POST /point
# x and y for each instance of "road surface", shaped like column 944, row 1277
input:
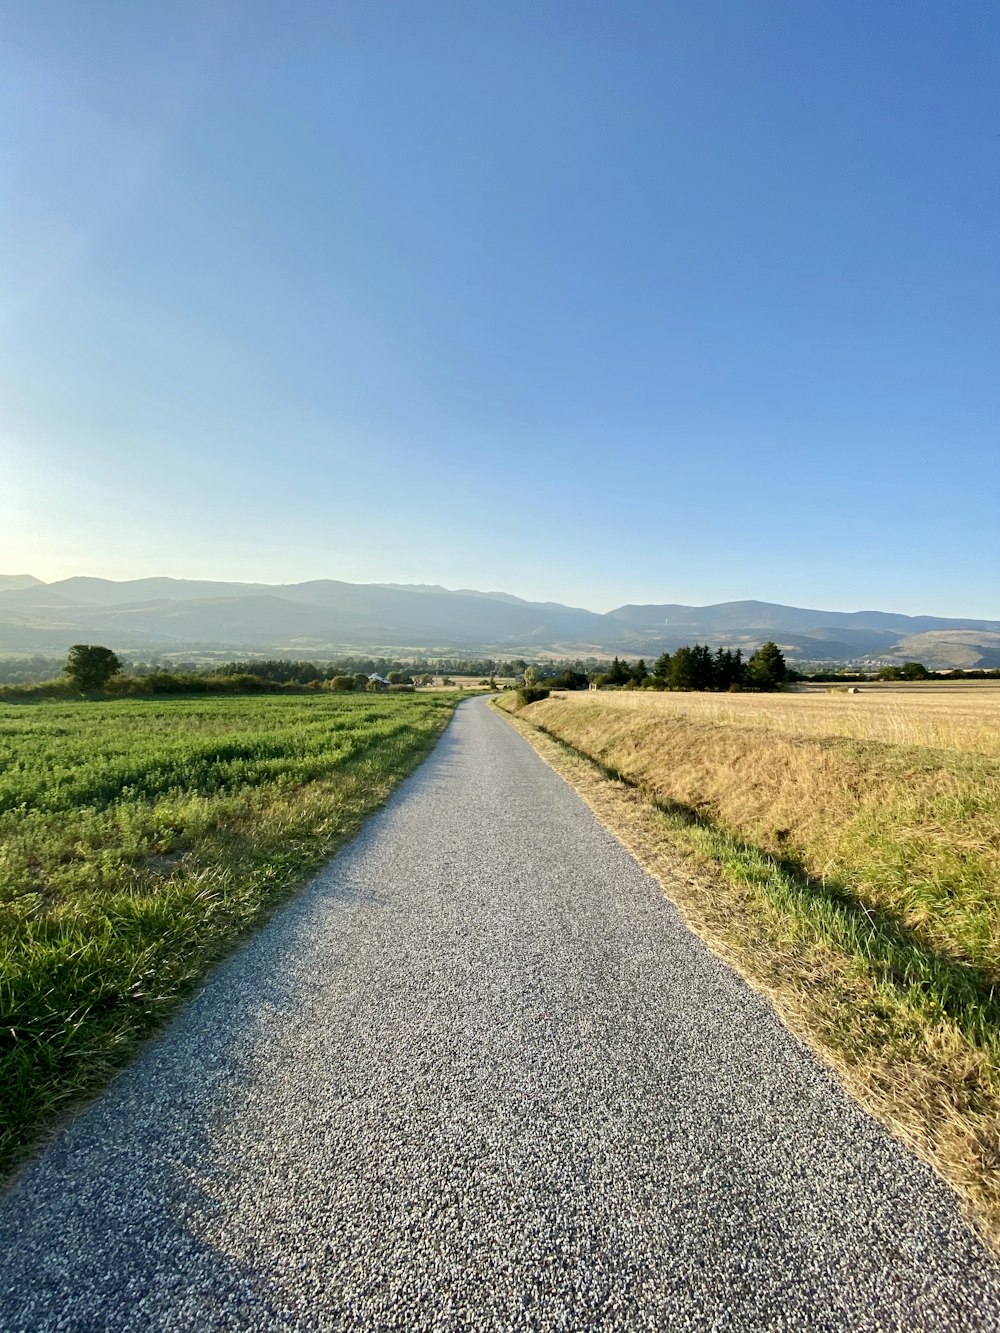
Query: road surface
column 479, row 1076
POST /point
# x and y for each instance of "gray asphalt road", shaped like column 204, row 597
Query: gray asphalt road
column 480, row 1076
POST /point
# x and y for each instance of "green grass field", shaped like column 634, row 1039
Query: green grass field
column 140, row 839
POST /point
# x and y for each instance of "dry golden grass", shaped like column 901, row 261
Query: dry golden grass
column 914, row 830
column 960, row 715
column 853, row 877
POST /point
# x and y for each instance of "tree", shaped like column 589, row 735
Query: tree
column 908, row 671
column 619, row 673
column 90, row 667
column 683, row 669
column 728, row 669
column 691, row 668
column 571, row 680
column 703, row 666
column 766, row 669
column 661, row 667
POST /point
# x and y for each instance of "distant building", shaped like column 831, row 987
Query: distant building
column 378, row 681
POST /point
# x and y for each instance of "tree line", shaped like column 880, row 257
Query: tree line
column 692, row 667
column 90, row 668
column 304, row 673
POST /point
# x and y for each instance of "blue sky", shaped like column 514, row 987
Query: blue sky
column 685, row 301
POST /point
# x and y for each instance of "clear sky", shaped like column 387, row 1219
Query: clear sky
column 596, row 302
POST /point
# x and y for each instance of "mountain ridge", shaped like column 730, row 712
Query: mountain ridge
column 326, row 616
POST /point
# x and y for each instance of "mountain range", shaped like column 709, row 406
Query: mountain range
column 324, row 617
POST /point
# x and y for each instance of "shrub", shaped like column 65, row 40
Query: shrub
column 126, row 686
column 531, row 694
column 177, row 682
column 571, row 680
column 245, row 682
column 43, row 689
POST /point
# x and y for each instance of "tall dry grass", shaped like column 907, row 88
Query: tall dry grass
column 959, row 716
column 843, row 851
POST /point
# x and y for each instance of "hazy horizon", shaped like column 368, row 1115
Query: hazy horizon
column 544, row 597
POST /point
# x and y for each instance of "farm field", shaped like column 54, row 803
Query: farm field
column 140, row 839
column 843, row 852
column 953, row 716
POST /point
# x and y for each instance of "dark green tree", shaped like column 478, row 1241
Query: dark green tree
column 661, row 667
column 727, row 669
column 683, row 669
column 908, row 671
column 90, row 667
column 639, row 672
column 766, row 669
column 571, row 680
column 704, row 667
column 619, row 673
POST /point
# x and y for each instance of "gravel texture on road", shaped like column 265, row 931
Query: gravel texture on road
column 479, row 1075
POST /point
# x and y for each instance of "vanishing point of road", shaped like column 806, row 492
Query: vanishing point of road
column 480, row 1076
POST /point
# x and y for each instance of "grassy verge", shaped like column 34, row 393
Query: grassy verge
column 855, row 882
column 139, row 840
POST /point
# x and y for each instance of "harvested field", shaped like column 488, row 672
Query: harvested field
column 962, row 716
column 843, row 851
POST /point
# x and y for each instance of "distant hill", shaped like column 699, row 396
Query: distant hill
column 943, row 649
column 14, row 581
column 106, row 592
column 771, row 616
column 323, row 617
